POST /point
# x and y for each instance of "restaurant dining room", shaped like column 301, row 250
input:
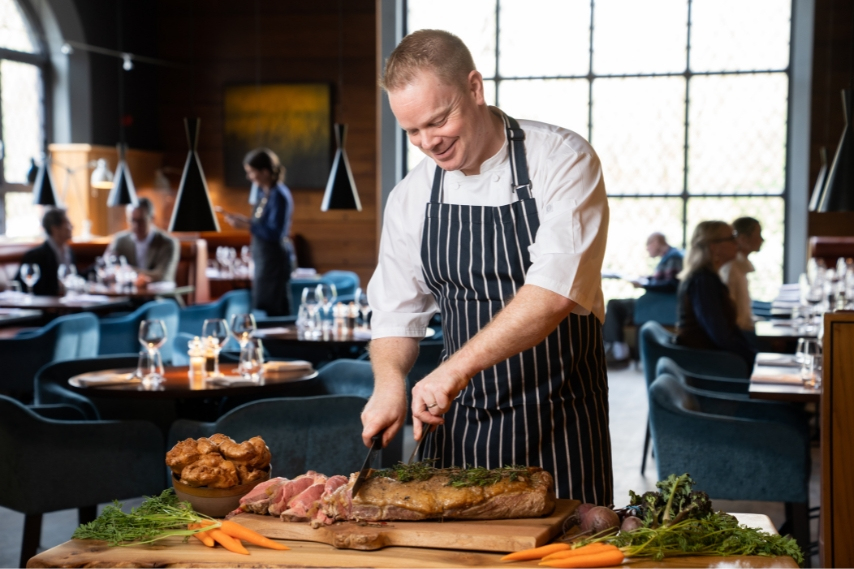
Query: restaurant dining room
column 223, row 342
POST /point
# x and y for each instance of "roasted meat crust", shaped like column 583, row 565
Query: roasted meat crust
column 182, row 455
column 380, row 498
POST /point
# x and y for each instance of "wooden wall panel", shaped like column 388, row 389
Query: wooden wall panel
column 298, row 42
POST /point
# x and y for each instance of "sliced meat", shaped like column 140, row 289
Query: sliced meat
column 286, row 493
column 303, row 506
column 258, row 500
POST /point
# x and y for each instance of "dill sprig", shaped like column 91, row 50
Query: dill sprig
column 457, row 477
column 156, row 518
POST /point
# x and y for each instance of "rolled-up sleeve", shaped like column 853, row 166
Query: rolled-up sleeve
column 569, row 249
column 401, row 303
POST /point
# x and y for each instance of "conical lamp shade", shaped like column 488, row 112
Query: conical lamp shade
column 44, row 190
column 123, row 191
column 341, row 189
column 839, row 192
column 193, row 208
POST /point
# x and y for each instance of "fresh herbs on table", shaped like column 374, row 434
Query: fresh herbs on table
column 156, row 518
column 457, row 477
column 679, row 521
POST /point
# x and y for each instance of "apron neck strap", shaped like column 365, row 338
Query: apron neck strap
column 518, row 164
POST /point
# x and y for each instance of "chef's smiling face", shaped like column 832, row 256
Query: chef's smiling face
column 444, row 121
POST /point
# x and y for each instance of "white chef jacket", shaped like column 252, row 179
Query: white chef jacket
column 566, row 255
column 734, row 275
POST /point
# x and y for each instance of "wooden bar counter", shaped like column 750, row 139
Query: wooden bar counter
column 173, row 552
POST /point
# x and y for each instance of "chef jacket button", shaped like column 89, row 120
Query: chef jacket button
column 496, row 177
column 548, row 208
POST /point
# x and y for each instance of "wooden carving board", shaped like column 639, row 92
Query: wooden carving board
column 472, row 535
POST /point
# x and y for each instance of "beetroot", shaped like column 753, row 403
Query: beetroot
column 631, row 523
column 599, row 519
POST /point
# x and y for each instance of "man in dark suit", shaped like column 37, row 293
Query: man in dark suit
column 50, row 254
column 151, row 251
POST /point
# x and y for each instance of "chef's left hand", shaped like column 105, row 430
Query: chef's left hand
column 433, row 395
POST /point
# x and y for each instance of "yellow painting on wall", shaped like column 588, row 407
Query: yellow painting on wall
column 293, row 120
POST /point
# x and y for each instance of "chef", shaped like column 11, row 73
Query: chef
column 502, row 230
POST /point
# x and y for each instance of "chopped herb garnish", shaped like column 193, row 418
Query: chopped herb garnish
column 457, row 477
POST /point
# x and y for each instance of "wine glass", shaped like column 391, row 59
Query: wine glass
column 327, row 295
column 152, row 335
column 215, row 334
column 252, row 361
column 242, row 326
column 30, row 273
column 361, row 298
column 310, row 300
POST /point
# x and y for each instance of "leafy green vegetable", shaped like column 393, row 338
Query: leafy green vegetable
column 156, row 518
column 675, row 502
column 458, row 477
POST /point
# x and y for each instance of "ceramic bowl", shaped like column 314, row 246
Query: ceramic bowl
column 214, row 502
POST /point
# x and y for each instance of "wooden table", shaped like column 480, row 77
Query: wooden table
column 62, row 304
column 10, row 316
column 177, row 385
column 780, row 336
column 134, row 293
column 173, row 552
column 792, row 392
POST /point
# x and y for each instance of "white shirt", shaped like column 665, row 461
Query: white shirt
column 142, row 249
column 734, row 275
column 566, row 255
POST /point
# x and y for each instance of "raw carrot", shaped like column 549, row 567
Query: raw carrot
column 536, row 552
column 607, row 558
column 238, row 531
column 227, row 541
column 583, row 550
column 202, row 535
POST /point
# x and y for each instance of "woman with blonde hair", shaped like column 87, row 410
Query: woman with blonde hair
column 706, row 313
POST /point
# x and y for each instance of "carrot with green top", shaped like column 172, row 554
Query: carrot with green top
column 606, row 558
column 583, row 550
column 227, row 541
column 238, row 531
column 202, row 535
column 536, row 552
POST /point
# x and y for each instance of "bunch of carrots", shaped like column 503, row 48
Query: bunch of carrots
column 596, row 554
column 230, row 535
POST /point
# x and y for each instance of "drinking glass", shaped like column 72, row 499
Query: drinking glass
column 242, row 326
column 252, row 361
column 215, row 334
column 310, row 300
column 149, row 370
column 152, row 335
column 327, row 295
column 361, row 298
column 808, row 353
column 30, row 273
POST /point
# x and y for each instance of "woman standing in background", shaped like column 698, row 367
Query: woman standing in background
column 270, row 225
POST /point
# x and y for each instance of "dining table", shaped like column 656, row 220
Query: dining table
column 156, row 290
column 63, row 304
column 175, row 552
column 15, row 316
column 781, row 335
column 777, row 377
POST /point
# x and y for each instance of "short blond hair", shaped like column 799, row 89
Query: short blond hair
column 699, row 254
column 441, row 52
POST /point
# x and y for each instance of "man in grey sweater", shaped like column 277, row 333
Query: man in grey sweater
column 151, row 251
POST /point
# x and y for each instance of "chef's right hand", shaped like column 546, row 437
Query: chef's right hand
column 385, row 413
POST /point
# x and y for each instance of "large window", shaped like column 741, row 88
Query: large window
column 685, row 101
column 21, row 118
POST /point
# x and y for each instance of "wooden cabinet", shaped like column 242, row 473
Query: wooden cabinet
column 72, row 168
column 836, row 535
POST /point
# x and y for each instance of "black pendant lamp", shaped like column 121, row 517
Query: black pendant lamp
column 44, row 190
column 193, row 208
column 341, row 189
column 820, row 181
column 123, row 192
column 838, row 192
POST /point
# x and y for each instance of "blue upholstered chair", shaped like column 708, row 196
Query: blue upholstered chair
column 321, row 433
column 346, row 377
column 656, row 342
column 346, row 283
column 120, row 335
column 657, row 307
column 722, row 385
column 232, row 302
column 735, row 449
column 50, row 464
column 65, row 338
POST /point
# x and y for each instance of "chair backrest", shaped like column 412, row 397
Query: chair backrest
column 346, row 282
column 347, row 377
column 656, row 306
column 120, row 335
column 65, row 338
column 233, row 302
column 320, row 433
column 705, row 382
column 656, row 342
column 669, row 392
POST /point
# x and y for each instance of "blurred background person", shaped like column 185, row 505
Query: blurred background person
column 706, row 313
column 748, row 238
column 270, row 226
column 152, row 252
column 54, row 252
column 620, row 311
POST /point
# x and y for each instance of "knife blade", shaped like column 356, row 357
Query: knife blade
column 420, row 443
column 376, row 445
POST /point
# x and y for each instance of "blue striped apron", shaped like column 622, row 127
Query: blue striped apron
column 547, row 406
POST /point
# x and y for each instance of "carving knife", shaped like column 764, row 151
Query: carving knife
column 376, row 445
